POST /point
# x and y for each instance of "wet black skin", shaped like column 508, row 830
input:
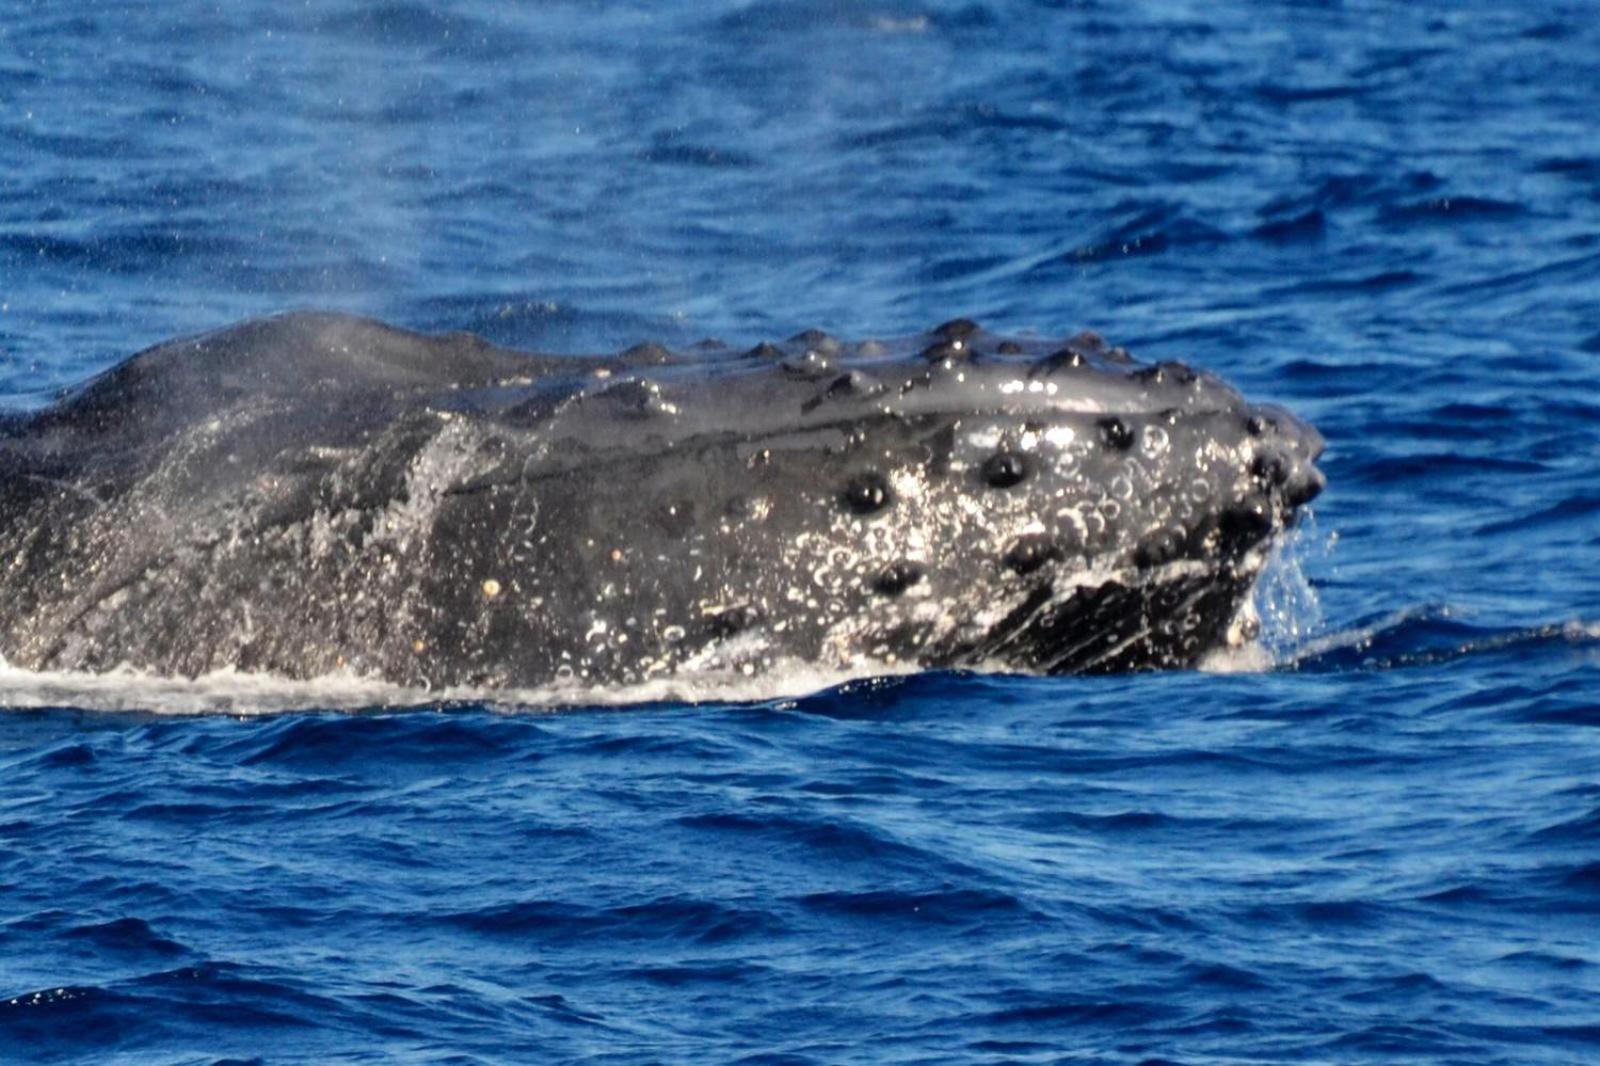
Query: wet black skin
column 313, row 492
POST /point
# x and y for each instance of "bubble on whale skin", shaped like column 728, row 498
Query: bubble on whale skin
column 852, row 384
column 818, row 341
column 1005, row 470
column 956, row 329
column 1156, row 441
column 1270, row 466
column 1303, row 488
column 648, row 353
column 867, row 494
column 1246, row 522
column 1167, row 373
column 1031, row 552
column 809, row 365
column 897, row 577
column 1115, row 434
column 1062, row 359
column 1161, row 546
column 766, row 351
column 946, row 355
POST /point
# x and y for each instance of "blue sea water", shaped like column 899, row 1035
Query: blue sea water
column 1385, row 848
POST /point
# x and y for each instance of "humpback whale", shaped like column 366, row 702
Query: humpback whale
column 314, row 492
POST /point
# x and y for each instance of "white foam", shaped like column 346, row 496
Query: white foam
column 241, row 693
column 1249, row 658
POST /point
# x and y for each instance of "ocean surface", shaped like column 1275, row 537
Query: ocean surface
column 1375, row 840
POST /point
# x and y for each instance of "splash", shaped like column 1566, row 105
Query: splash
column 1285, row 599
column 1284, row 611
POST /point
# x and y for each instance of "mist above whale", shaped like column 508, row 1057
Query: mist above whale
column 309, row 493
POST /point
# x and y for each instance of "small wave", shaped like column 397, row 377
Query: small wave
column 669, row 918
column 1150, row 231
column 1274, row 93
column 949, row 122
column 1077, row 1012
column 1364, row 285
column 1396, row 468
column 1450, row 209
column 715, row 974
column 1578, row 168
column 1584, row 878
column 127, row 936
column 948, row 906
column 1306, row 226
column 835, row 841
column 1584, row 829
column 324, row 743
column 1427, row 636
column 1576, row 508
column 415, row 26
column 670, row 148
column 814, row 16
column 1316, row 913
column 1546, row 960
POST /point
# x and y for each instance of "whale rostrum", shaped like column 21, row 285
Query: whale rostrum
column 310, row 492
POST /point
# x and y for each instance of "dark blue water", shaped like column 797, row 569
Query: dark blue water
column 1386, row 848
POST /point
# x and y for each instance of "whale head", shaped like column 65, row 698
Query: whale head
column 311, row 492
column 954, row 499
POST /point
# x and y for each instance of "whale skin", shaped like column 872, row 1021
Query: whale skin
column 314, row 492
